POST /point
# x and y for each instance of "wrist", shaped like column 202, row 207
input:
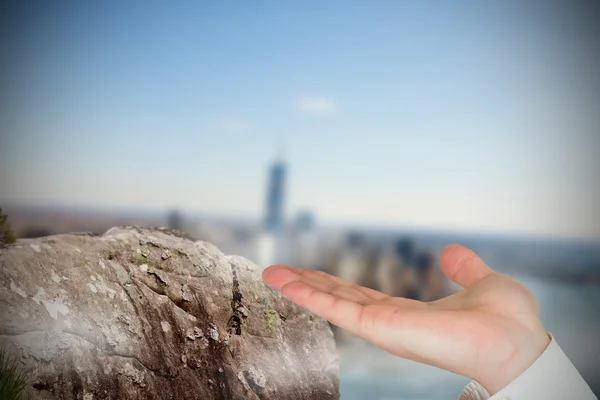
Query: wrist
column 517, row 361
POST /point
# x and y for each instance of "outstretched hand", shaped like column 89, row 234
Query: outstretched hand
column 490, row 331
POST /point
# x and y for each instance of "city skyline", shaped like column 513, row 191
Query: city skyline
column 468, row 116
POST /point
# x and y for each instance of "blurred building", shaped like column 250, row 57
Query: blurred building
column 304, row 241
column 405, row 249
column 402, row 271
column 265, row 249
column 432, row 282
column 270, row 246
column 354, row 263
column 305, row 221
column 175, row 220
column 274, row 218
column 395, row 272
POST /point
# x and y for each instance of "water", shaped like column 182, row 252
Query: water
column 571, row 312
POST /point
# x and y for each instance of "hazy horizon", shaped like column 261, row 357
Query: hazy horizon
column 198, row 216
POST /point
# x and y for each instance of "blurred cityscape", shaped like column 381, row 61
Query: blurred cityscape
column 397, row 262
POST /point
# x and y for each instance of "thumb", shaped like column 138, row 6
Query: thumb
column 463, row 266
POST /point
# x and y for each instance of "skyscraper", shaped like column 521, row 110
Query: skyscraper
column 275, row 198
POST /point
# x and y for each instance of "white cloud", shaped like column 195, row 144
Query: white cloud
column 316, row 105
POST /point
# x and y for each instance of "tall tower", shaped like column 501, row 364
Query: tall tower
column 275, row 198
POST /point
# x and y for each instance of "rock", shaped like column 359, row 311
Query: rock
column 194, row 333
column 113, row 316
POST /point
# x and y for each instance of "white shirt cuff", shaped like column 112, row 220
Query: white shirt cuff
column 551, row 376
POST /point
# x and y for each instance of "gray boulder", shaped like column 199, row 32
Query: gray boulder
column 147, row 314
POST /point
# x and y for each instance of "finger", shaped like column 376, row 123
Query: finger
column 370, row 321
column 317, row 280
column 278, row 275
column 337, row 289
column 321, row 278
column 339, row 311
column 463, row 266
column 313, row 275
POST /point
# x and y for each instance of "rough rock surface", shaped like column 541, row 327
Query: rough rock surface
column 146, row 314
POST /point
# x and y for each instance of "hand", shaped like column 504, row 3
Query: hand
column 490, row 331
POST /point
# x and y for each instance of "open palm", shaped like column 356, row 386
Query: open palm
column 490, row 331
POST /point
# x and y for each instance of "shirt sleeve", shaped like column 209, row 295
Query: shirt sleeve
column 551, row 377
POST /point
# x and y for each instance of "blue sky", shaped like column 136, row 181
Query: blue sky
column 452, row 115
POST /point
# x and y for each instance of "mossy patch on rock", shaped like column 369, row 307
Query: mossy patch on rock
column 270, row 320
column 140, row 259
